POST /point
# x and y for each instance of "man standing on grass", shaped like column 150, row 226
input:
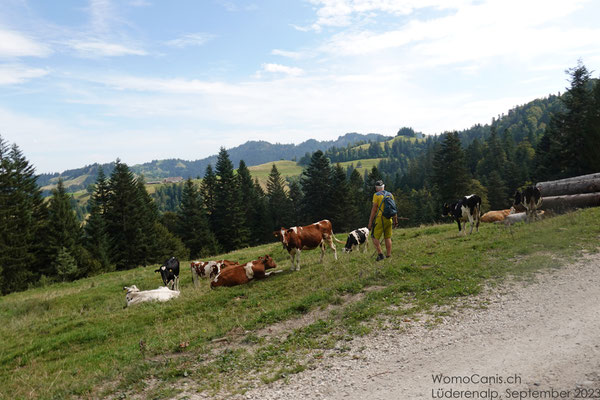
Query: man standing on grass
column 383, row 225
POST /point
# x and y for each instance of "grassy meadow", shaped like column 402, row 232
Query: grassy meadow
column 77, row 340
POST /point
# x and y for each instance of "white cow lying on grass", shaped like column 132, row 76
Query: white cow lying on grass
column 134, row 295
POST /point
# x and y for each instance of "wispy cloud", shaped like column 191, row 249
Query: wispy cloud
column 341, row 13
column 289, row 54
column 232, row 6
column 282, row 69
column 16, row 73
column 15, row 44
column 93, row 48
column 191, row 39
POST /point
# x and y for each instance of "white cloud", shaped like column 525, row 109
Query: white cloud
column 474, row 33
column 98, row 48
column 289, row 54
column 191, row 39
column 15, row 44
column 282, row 69
column 16, row 73
column 341, row 13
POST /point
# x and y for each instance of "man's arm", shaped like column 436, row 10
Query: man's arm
column 373, row 212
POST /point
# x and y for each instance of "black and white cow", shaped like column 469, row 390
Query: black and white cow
column 531, row 199
column 357, row 237
column 169, row 273
column 466, row 209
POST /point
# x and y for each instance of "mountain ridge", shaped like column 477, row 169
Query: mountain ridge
column 253, row 152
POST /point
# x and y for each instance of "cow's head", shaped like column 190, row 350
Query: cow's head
column 447, row 209
column 268, row 261
column 131, row 289
column 518, row 198
column 350, row 242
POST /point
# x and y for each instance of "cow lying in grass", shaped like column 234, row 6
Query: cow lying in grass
column 208, row 269
column 496, row 216
column 135, row 296
column 243, row 273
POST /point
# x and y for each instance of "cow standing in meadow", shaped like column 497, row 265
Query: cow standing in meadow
column 169, row 272
column 531, row 199
column 308, row 237
column 466, row 209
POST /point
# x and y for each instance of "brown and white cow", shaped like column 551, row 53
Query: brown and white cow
column 308, row 237
column 208, row 269
column 243, row 273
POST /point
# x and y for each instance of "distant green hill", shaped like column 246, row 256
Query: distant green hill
column 252, row 152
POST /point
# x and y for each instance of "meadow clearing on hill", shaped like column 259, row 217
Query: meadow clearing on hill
column 77, row 339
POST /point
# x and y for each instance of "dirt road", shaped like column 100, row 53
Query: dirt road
column 533, row 340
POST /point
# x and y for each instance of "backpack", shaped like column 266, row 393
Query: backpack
column 389, row 205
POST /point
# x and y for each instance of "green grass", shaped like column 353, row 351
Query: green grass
column 77, row 339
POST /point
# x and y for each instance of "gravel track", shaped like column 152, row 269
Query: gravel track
column 539, row 339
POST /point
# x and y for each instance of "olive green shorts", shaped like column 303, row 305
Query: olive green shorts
column 382, row 226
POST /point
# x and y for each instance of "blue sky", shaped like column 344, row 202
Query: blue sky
column 90, row 81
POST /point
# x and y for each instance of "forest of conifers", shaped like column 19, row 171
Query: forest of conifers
column 43, row 241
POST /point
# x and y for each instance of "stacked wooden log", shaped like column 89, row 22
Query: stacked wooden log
column 567, row 194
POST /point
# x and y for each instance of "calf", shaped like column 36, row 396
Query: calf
column 466, row 209
column 208, row 268
column 531, row 199
column 243, row 273
column 357, row 237
column 308, row 237
column 134, row 295
column 169, row 272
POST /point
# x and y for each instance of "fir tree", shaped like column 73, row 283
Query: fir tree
column 64, row 231
column 208, row 190
column 23, row 217
column 279, row 204
column 316, row 186
column 124, row 211
column 230, row 228
column 450, row 175
column 193, row 225
column 96, row 239
column 343, row 210
column 296, row 198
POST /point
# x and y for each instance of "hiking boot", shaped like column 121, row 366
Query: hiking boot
column 379, row 257
column 388, row 256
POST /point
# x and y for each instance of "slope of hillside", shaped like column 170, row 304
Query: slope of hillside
column 77, row 339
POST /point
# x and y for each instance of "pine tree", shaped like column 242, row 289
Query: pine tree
column 65, row 265
column 124, row 210
column 96, row 240
column 23, row 216
column 230, row 228
column 450, row 175
column 343, row 210
column 208, row 190
column 147, row 241
column 296, row 198
column 279, row 204
column 193, row 225
column 316, row 186
column 361, row 200
column 64, row 231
